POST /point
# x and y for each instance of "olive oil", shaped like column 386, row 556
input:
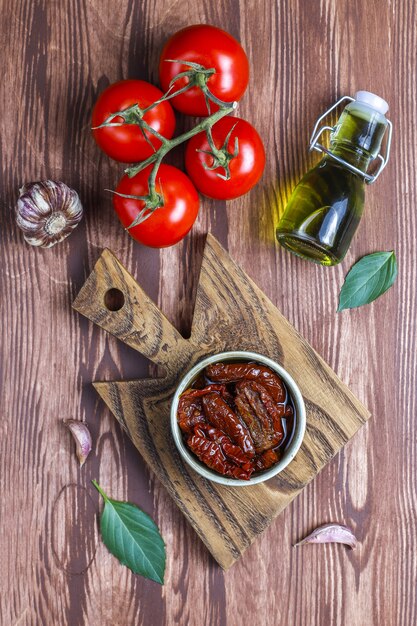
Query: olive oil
column 326, row 206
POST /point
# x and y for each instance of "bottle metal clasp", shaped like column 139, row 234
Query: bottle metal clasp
column 318, row 131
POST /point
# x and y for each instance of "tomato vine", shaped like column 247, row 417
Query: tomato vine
column 197, row 76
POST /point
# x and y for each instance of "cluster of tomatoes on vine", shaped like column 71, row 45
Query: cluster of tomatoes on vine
column 204, row 72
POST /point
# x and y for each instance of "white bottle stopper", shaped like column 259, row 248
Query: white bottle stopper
column 372, row 100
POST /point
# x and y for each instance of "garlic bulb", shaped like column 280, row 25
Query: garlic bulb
column 47, row 212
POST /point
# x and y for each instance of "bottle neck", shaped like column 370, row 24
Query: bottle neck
column 353, row 156
column 357, row 136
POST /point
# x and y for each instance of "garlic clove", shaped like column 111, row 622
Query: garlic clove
column 331, row 533
column 82, row 437
column 47, row 212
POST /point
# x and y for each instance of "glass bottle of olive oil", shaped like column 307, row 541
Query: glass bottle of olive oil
column 326, row 206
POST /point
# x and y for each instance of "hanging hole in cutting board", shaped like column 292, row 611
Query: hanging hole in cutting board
column 114, row 299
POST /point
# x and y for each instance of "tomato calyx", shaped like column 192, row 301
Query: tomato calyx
column 133, row 115
column 221, row 156
column 152, row 201
column 197, row 76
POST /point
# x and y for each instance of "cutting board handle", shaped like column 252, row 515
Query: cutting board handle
column 112, row 299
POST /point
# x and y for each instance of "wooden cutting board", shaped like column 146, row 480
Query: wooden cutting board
column 231, row 312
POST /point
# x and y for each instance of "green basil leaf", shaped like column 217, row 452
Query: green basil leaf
column 368, row 279
column 133, row 537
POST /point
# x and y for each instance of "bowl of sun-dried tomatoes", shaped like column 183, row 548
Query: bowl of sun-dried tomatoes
column 238, row 418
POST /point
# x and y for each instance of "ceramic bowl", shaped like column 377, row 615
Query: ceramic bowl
column 292, row 447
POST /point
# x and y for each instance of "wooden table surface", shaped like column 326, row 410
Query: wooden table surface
column 57, row 55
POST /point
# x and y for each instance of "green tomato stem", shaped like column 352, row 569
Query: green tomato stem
column 169, row 144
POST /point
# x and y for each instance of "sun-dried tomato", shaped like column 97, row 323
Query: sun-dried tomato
column 265, row 460
column 231, row 451
column 234, row 372
column 199, row 393
column 190, row 408
column 190, row 412
column 220, row 415
column 211, row 454
column 257, row 409
column 268, row 412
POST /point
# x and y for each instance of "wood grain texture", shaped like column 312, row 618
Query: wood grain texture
column 231, row 313
column 57, row 55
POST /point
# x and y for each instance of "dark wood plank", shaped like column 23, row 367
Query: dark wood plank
column 57, row 56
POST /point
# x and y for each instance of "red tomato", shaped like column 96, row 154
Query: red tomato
column 245, row 169
column 126, row 143
column 211, row 47
column 167, row 224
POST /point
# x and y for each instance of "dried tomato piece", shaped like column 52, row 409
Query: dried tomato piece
column 261, row 415
column 219, row 414
column 263, row 404
column 240, row 472
column 199, row 393
column 266, row 460
column 190, row 409
column 211, row 454
column 248, row 417
column 190, row 412
column 231, row 451
column 234, row 372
